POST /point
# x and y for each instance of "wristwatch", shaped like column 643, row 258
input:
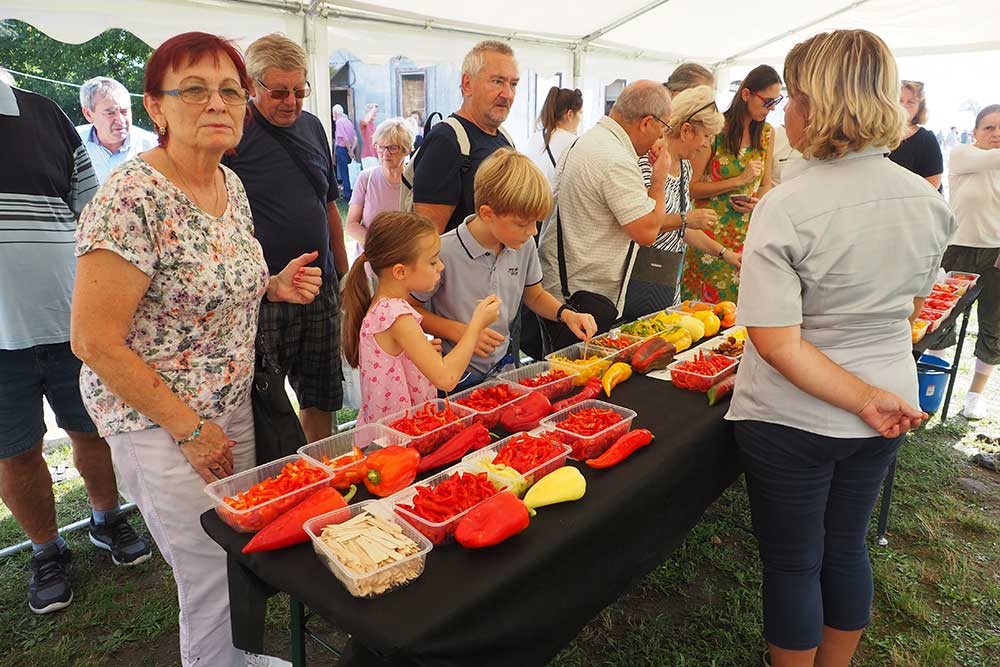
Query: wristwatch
column 563, row 307
column 722, row 252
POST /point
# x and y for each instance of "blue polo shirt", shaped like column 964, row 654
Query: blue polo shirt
column 137, row 141
column 472, row 273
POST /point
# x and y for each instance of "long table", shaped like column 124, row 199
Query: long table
column 521, row 602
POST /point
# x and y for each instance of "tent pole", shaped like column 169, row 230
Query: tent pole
column 577, row 66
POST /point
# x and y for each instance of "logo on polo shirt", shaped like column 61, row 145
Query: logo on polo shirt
column 513, row 270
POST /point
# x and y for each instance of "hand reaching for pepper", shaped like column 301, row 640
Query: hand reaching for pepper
column 583, row 325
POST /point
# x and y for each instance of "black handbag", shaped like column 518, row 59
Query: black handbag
column 277, row 431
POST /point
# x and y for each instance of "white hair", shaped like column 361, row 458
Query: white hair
column 275, row 50
column 475, row 60
column 642, row 98
column 396, row 130
column 337, row 110
column 102, row 86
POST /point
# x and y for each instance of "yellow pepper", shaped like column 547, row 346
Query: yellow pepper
column 585, row 368
column 615, row 375
column 563, row 485
column 518, row 485
column 679, row 336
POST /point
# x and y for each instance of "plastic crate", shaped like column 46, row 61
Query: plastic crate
column 425, row 443
column 589, row 446
column 584, row 371
column 384, row 579
column 692, row 381
column 551, row 390
column 253, row 519
column 521, row 482
column 367, row 438
column 490, row 418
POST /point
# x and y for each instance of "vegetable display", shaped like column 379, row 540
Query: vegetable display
column 294, row 476
column 468, row 439
column 495, row 520
column 655, row 354
column 589, row 421
column 368, row 544
column 564, row 485
column 591, row 390
column 485, row 399
column 391, row 469
column 732, row 346
column 424, row 420
column 919, row 329
column 454, row 495
column 700, row 373
column 586, row 368
column 526, row 413
column 348, row 469
column 622, row 449
column 287, row 530
column 545, row 378
column 721, row 389
column 525, row 452
column 614, row 376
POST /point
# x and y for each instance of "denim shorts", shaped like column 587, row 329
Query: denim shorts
column 26, row 375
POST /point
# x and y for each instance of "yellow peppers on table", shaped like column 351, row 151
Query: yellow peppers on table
column 560, row 486
column 679, row 336
column 615, row 375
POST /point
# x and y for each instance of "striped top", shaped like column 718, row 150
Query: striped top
column 672, row 241
column 45, row 181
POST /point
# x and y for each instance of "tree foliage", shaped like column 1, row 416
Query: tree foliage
column 114, row 53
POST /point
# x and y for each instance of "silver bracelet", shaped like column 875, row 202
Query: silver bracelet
column 194, row 434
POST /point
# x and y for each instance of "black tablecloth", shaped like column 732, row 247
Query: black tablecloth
column 521, row 602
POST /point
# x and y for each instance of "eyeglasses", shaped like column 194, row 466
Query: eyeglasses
column 662, row 122
column 282, row 93
column 391, row 149
column 201, row 94
column 769, row 102
column 710, row 104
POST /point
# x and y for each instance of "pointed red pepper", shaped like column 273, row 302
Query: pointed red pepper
column 492, row 522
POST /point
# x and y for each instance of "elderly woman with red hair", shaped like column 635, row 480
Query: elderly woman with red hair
column 169, row 282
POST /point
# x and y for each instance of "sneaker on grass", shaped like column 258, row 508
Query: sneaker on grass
column 975, row 407
column 50, row 589
column 116, row 535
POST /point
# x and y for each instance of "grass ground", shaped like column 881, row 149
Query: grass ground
column 937, row 584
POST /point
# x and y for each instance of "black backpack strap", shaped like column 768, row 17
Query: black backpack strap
column 552, row 159
column 319, row 188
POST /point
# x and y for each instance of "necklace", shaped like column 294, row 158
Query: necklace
column 194, row 197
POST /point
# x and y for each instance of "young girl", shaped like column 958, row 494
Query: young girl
column 382, row 335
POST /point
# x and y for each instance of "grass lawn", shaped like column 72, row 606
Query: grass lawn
column 937, row 584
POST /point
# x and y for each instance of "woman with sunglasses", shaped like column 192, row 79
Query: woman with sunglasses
column 169, row 282
column 730, row 181
column 919, row 151
column 378, row 188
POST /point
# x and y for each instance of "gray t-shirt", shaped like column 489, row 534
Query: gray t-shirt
column 471, row 273
column 841, row 250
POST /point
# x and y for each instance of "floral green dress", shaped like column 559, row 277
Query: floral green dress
column 708, row 278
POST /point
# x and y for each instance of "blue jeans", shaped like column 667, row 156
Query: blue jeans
column 811, row 497
column 343, row 171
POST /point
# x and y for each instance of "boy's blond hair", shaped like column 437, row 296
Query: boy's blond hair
column 510, row 184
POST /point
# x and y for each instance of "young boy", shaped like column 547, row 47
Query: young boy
column 492, row 252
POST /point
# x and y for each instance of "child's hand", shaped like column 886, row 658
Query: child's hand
column 436, row 344
column 582, row 325
column 487, row 312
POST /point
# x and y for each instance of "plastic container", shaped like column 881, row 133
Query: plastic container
column 367, row 438
column 551, row 390
column 698, row 381
column 932, row 384
column 623, row 354
column 919, row 330
column 584, row 371
column 253, row 519
column 444, row 531
column 961, row 278
column 425, row 443
column 679, row 308
column 710, row 345
column 934, row 317
column 589, row 446
column 490, row 418
column 523, row 481
column 385, row 578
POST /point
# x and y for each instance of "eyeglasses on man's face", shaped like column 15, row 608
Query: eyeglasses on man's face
column 282, row 93
column 662, row 122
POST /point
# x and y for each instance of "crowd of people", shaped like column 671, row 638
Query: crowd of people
column 218, row 239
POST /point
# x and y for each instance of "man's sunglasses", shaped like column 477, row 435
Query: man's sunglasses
column 282, row 93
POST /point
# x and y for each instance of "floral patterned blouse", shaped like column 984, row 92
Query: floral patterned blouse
column 196, row 323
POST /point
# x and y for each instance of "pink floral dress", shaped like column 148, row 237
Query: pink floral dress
column 388, row 384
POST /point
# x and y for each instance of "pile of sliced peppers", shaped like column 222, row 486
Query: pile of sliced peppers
column 294, row 476
column 525, row 452
column 452, row 496
column 544, row 378
column 485, row 399
column 589, row 421
column 424, row 420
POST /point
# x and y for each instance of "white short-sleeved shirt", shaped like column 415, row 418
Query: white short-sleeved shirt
column 841, row 250
column 974, row 190
column 558, row 143
column 599, row 188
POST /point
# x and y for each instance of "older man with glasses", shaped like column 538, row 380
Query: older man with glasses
column 110, row 137
column 285, row 164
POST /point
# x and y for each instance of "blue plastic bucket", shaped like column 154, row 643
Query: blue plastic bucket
column 932, row 384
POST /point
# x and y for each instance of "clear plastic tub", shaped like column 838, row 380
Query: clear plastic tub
column 961, row 278
column 367, row 438
column 919, row 330
column 679, row 308
column 442, row 532
column 383, row 579
column 623, row 354
column 552, row 390
column 697, row 381
column 522, row 481
column 602, row 359
column 425, row 443
column 589, row 446
column 253, row 519
column 934, row 317
column 490, row 418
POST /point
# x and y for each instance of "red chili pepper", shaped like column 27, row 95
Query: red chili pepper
column 492, row 522
column 526, row 413
column 391, row 469
column 466, row 440
column 590, row 390
column 287, row 529
column 622, row 449
column 589, row 421
column 544, row 378
column 525, row 452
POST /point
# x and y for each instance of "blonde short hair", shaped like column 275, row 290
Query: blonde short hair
column 275, row 50
column 851, row 87
column 394, row 131
column 917, row 89
column 511, row 184
column 475, row 60
column 696, row 105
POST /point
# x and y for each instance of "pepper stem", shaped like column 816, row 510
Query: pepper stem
column 350, row 493
column 374, row 476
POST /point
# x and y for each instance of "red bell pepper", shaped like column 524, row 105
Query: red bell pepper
column 391, row 469
column 590, row 390
column 348, row 469
column 492, row 522
column 654, row 354
column 287, row 529
column 460, row 444
column 622, row 449
column 526, row 413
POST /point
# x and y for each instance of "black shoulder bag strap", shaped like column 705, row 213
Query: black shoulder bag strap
column 552, row 158
column 560, row 249
column 320, row 188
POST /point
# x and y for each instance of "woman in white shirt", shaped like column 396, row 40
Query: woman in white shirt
column 974, row 189
column 836, row 262
column 558, row 123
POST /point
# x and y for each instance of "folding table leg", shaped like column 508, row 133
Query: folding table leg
column 297, row 627
column 883, row 513
column 953, row 374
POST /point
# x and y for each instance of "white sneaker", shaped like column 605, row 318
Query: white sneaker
column 257, row 660
column 975, row 407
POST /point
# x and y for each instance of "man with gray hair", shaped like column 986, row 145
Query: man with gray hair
column 285, row 164
column 602, row 204
column 110, row 138
column 444, row 169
